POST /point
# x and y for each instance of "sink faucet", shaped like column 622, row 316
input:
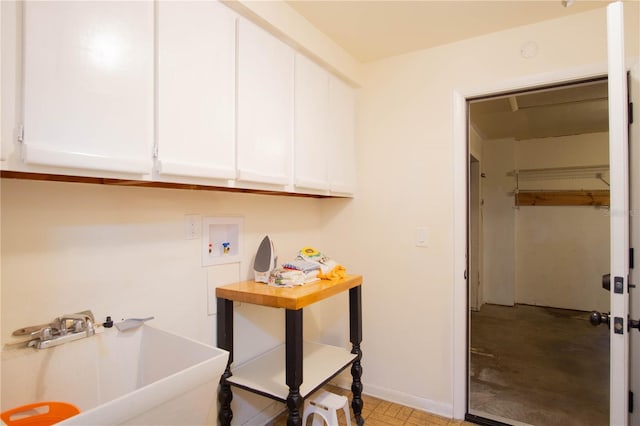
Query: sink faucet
column 61, row 330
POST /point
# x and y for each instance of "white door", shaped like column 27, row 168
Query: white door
column 619, row 172
column 88, row 86
column 196, row 86
column 311, row 118
column 342, row 136
column 265, row 106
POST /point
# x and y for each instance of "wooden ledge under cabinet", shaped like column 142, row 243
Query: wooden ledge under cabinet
column 293, row 298
column 48, row 177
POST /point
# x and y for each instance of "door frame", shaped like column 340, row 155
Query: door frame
column 634, row 228
column 460, row 337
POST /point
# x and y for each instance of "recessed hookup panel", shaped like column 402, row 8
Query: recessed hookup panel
column 221, row 240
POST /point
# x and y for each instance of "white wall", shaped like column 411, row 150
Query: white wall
column 499, row 231
column 121, row 251
column 406, row 175
column 562, row 252
column 590, row 149
column 544, row 255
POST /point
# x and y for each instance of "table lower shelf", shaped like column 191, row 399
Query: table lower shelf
column 265, row 374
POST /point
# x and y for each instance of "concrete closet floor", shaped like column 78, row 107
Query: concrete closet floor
column 377, row 412
column 542, row 366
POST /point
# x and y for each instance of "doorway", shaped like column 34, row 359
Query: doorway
column 538, row 245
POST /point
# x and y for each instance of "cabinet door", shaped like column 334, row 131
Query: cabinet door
column 196, row 89
column 311, row 145
column 342, row 164
column 265, row 106
column 88, row 85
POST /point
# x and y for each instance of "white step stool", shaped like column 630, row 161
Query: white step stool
column 325, row 405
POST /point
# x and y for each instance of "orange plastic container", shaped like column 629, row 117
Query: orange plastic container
column 39, row 414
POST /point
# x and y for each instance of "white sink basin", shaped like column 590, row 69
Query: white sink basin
column 138, row 377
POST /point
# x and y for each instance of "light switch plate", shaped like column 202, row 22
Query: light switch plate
column 192, row 226
column 422, row 237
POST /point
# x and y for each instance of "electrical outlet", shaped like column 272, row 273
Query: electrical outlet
column 192, row 226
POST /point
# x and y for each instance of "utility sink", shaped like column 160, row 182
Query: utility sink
column 142, row 376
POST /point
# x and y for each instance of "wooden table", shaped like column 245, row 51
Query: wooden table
column 267, row 375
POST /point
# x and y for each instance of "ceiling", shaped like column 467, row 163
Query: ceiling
column 566, row 111
column 373, row 29
column 370, row 30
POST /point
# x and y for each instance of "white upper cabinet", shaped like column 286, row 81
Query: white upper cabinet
column 342, row 164
column 88, row 85
column 109, row 87
column 196, row 90
column 265, row 107
column 311, row 136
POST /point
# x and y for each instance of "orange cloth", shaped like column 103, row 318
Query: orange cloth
column 336, row 272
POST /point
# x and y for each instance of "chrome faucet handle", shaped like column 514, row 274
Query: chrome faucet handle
column 45, row 333
column 82, row 321
column 88, row 325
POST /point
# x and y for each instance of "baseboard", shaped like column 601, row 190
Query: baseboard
column 433, row 407
column 265, row 416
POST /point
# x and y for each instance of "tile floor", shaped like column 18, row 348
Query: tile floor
column 377, row 412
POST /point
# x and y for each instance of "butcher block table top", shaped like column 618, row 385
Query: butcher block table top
column 293, row 298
